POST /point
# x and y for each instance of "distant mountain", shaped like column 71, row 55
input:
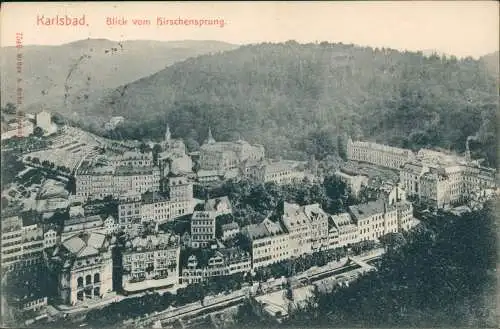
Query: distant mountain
column 66, row 77
column 297, row 99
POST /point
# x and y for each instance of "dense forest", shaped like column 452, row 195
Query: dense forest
column 293, row 97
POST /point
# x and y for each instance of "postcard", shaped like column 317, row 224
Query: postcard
column 249, row 164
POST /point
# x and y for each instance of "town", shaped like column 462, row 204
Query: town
column 89, row 222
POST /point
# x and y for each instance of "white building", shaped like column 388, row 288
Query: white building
column 321, row 234
column 230, row 230
column 151, row 262
column 25, row 129
column 78, row 224
column 50, row 238
column 443, row 180
column 202, row 228
column 228, row 155
column 135, row 208
column 111, row 225
column 21, row 244
column 299, row 230
column 353, row 182
column 85, row 267
column 378, row 154
column 346, row 228
column 374, row 219
column 131, row 159
column 269, row 243
column 225, row 262
column 44, row 121
column 279, row 172
column 100, row 182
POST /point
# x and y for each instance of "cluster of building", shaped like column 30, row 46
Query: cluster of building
column 25, row 125
column 89, row 263
column 223, row 156
column 437, row 178
column 225, row 160
column 294, row 231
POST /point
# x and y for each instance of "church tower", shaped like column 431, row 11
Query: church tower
column 210, row 139
column 167, row 135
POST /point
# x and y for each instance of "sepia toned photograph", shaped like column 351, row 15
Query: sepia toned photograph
column 240, row 165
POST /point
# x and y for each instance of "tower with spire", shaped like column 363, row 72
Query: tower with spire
column 210, row 139
column 168, row 136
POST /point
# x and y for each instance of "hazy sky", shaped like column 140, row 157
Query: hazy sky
column 460, row 28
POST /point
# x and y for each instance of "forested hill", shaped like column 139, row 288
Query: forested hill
column 296, row 99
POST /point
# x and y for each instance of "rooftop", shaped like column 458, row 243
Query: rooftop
column 152, row 197
column 82, row 220
column 11, row 224
column 342, row 219
column 129, row 171
column 368, row 209
column 382, row 147
column 231, row 226
column 256, row 231
column 85, row 244
column 154, row 242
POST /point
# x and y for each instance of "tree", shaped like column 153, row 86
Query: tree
column 156, row 151
column 9, row 108
column 38, row 132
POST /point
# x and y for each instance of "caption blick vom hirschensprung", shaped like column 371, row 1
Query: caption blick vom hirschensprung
column 67, row 20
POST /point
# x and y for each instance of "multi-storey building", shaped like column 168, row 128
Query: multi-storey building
column 321, row 234
column 180, row 188
column 378, row 154
column 299, row 230
column 225, row 262
column 346, row 228
column 396, row 196
column 353, row 182
column 333, row 235
column 230, row 230
column 151, row 261
column 442, row 180
column 78, row 224
column 202, row 228
column 155, row 207
column 27, row 128
column 374, row 219
column 44, row 121
column 227, row 155
column 279, row 172
column 269, row 243
column 131, row 159
column 84, row 267
column 173, row 158
column 50, row 238
column 100, row 182
column 21, row 244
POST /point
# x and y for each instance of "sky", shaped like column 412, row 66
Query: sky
column 463, row 28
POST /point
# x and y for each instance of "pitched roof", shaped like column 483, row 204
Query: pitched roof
column 230, row 226
column 368, row 209
column 255, row 231
column 85, row 244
